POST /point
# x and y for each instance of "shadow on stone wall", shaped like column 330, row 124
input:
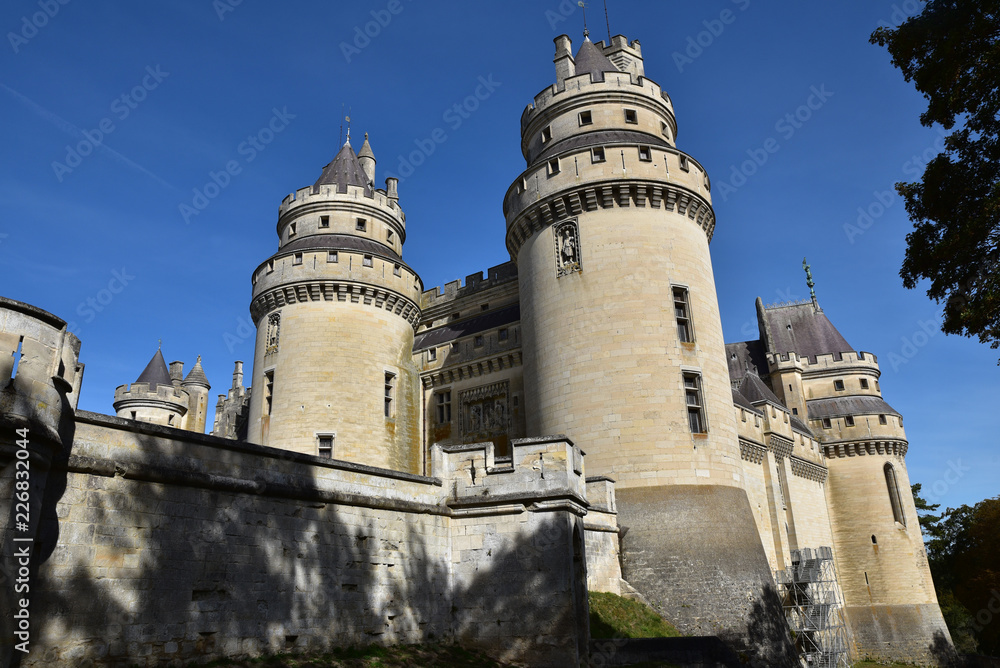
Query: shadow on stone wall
column 129, row 571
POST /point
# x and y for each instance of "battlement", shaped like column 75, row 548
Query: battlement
column 538, row 467
column 379, row 199
column 615, row 83
column 474, row 283
column 833, row 361
column 140, row 392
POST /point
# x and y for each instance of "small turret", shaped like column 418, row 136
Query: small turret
column 197, row 386
column 153, row 397
column 367, row 159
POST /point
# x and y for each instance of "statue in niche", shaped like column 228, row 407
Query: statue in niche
column 273, row 326
column 567, row 239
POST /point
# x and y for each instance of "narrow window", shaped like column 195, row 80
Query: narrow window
column 695, row 407
column 882, row 420
column 685, row 164
column 298, row 259
column 893, row 487
column 877, row 387
column 864, row 383
column 390, row 393
column 291, row 230
column 743, row 414
column 332, row 257
column 396, row 271
column 631, row 117
column 484, row 307
column 849, row 420
column 597, row 154
column 645, row 154
column 665, row 130
column 586, row 118
column 432, row 354
column 547, row 134
column 268, row 391
column 324, row 445
column 133, row 415
column 170, row 420
column 478, row 341
column 838, row 385
column 502, row 334
column 270, row 266
column 17, row 355
column 443, row 407
column 553, row 166
column 324, row 221
column 456, row 316
column 389, row 236
column 683, row 314
column 361, row 225
column 795, row 411
column 367, row 261
column 827, row 424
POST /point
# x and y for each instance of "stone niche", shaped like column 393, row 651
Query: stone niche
column 484, row 416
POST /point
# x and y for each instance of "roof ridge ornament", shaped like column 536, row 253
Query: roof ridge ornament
column 812, row 284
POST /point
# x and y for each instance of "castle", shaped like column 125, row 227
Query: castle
column 412, row 465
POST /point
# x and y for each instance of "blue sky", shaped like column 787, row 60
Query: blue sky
column 176, row 90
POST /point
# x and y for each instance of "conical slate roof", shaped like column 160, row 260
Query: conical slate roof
column 591, row 59
column 366, row 149
column 155, row 372
column 344, row 170
column 756, row 391
column 197, row 375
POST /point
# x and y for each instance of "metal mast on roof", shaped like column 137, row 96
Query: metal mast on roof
column 583, row 6
column 810, row 283
column 607, row 20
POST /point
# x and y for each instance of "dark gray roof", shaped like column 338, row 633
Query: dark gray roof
column 347, row 242
column 803, row 330
column 855, row 405
column 800, row 426
column 591, row 59
column 745, row 356
column 366, row 149
column 155, row 373
column 456, row 330
column 756, row 391
column 603, row 138
column 197, row 375
column 742, row 402
column 344, row 170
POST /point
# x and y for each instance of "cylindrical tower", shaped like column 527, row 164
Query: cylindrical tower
column 335, row 310
column 623, row 347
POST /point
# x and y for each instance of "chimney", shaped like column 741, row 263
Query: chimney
column 176, row 373
column 238, row 376
column 391, row 185
column 565, row 66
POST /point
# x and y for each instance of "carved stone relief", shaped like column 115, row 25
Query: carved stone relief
column 567, row 247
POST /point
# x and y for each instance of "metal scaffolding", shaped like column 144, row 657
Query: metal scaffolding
column 811, row 599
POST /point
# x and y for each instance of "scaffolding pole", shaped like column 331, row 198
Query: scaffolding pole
column 811, row 599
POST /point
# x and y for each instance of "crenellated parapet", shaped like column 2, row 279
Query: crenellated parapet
column 135, row 394
column 474, row 284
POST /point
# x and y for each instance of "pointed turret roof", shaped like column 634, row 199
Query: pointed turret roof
column 591, row 59
column 803, row 329
column 156, row 372
column 757, row 392
column 344, row 170
column 366, row 149
column 197, row 375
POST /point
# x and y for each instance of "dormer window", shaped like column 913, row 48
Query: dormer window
column 586, row 118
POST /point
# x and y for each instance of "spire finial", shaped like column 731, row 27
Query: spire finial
column 159, row 344
column 583, row 6
column 811, row 283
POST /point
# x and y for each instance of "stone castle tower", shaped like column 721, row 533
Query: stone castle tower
column 166, row 397
column 335, row 309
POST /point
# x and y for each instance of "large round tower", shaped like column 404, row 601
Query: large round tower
column 623, row 349
column 335, row 310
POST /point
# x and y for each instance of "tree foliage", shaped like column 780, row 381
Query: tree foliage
column 951, row 53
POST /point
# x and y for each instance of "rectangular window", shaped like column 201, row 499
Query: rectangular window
column 389, row 236
column 478, row 341
column 795, row 411
column 268, row 391
column 882, row 420
column 443, row 407
column 432, row 354
column 586, row 118
column 291, row 230
column 695, row 406
column 743, row 414
column 324, row 445
column 332, row 257
column 396, row 271
column 547, row 135
column 270, row 266
column 665, row 130
column 597, row 154
column 864, row 383
column 685, row 164
column 390, row 394
column 632, row 116
column 367, row 261
column 553, row 166
column 502, row 334
column 484, row 307
column 849, row 420
column 682, row 312
column 645, row 154
column 298, row 259
column 826, row 423
column 838, row 385
column 361, row 225
column 324, row 221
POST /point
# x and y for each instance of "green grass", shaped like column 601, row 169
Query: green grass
column 375, row 656
column 612, row 616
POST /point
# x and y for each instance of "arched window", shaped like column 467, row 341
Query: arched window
column 897, row 505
